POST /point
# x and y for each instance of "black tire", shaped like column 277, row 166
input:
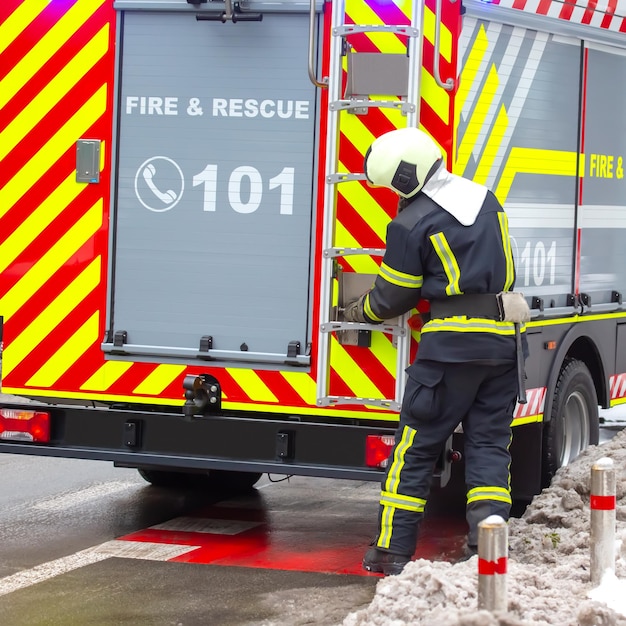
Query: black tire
column 574, row 422
column 165, row 478
column 229, row 481
column 222, row 481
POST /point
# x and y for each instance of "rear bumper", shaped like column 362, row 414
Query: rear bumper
column 136, row 438
column 252, row 443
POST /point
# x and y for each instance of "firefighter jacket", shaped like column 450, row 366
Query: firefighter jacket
column 432, row 255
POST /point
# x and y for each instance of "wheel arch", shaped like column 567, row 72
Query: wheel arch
column 578, row 344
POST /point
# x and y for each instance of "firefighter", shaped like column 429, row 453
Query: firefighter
column 449, row 244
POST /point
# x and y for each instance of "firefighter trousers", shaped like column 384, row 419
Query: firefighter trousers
column 438, row 397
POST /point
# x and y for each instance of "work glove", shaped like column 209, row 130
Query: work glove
column 353, row 311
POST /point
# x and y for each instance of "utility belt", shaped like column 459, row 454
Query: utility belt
column 506, row 306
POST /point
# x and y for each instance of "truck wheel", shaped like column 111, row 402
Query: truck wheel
column 164, row 478
column 214, row 480
column 574, row 423
column 229, row 481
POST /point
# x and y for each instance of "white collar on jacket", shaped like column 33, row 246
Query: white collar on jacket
column 460, row 197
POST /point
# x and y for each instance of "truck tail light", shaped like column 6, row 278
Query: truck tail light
column 22, row 425
column 377, row 450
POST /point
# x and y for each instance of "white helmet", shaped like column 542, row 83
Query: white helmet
column 402, row 160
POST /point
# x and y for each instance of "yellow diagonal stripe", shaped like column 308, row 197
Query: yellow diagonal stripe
column 253, row 386
column 106, row 375
column 45, row 323
column 491, row 147
column 53, row 149
column 361, row 13
column 445, row 36
column 395, row 116
column 470, row 70
column 33, row 225
column 303, row 385
column 46, row 47
column 354, row 128
column 372, row 213
column 52, row 260
column 159, row 379
column 346, row 367
column 67, row 355
column 385, row 352
column 23, row 15
column 475, row 127
column 438, row 99
column 535, row 161
column 39, row 106
column 360, row 263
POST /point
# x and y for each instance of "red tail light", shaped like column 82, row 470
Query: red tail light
column 22, row 425
column 377, row 450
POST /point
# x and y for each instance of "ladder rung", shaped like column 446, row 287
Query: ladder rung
column 351, row 29
column 331, row 400
column 344, row 178
column 331, row 253
column 389, row 329
column 405, row 107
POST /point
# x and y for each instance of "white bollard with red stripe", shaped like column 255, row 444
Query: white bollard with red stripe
column 493, row 549
column 602, row 532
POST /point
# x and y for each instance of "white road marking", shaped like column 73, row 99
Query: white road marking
column 80, row 497
column 48, row 570
column 144, row 550
column 206, row 525
column 115, row 548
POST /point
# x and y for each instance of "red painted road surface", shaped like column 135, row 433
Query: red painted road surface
column 247, row 537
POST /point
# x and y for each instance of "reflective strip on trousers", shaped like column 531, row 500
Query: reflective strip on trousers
column 390, row 500
column 499, row 494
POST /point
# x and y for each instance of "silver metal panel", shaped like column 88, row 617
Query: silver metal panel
column 376, row 73
column 88, row 161
column 351, row 287
column 213, row 216
column 603, row 191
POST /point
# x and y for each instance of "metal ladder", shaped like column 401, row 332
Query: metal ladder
column 362, row 68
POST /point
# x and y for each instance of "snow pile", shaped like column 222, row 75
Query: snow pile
column 548, row 579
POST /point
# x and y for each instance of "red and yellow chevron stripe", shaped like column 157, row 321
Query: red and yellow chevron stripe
column 56, row 86
column 363, row 213
column 56, row 69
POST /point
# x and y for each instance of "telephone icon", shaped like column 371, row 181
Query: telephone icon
column 148, row 173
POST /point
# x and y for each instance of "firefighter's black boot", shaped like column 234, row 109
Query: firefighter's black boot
column 468, row 552
column 384, row 562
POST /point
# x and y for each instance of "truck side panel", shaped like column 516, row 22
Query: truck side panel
column 518, row 134
column 602, row 213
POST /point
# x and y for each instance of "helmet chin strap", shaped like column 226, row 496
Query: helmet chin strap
column 431, row 172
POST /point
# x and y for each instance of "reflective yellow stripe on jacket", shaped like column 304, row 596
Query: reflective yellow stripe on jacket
column 508, row 252
column 449, row 262
column 464, row 324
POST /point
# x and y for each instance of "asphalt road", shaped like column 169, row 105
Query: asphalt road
column 82, row 543
column 78, row 545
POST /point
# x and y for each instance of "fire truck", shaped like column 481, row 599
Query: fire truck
column 183, row 215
